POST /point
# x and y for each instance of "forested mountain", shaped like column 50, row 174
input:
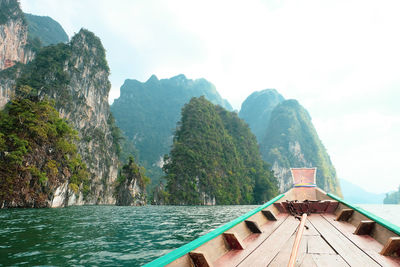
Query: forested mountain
column 257, row 108
column 215, row 159
column 291, row 141
column 148, row 112
column 392, row 198
column 46, row 29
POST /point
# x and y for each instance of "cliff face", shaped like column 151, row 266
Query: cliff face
column 257, row 108
column 148, row 112
column 14, row 45
column 291, row 141
column 75, row 75
column 83, row 101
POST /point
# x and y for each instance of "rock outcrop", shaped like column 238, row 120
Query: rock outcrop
column 288, row 138
column 14, row 45
column 82, row 99
column 75, row 76
column 291, row 141
column 130, row 186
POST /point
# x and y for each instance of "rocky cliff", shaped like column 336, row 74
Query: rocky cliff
column 14, row 45
column 148, row 112
column 291, row 141
column 75, row 75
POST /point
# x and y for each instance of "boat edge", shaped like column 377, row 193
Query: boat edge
column 390, row 226
column 179, row 252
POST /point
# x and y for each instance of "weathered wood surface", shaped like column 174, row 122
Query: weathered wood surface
column 267, row 251
column 283, row 256
column 344, row 215
column 352, row 254
column 365, row 242
column 392, row 246
column 234, row 257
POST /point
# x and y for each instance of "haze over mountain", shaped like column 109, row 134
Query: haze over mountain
column 148, row 112
column 257, row 108
column 46, row 29
column 289, row 139
column 355, row 194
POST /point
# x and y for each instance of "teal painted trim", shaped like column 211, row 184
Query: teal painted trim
column 392, row 227
column 179, row 252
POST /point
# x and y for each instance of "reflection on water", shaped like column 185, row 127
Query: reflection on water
column 104, row 235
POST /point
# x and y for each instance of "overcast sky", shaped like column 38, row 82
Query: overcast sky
column 339, row 59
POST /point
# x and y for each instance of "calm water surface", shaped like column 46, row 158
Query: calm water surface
column 104, row 235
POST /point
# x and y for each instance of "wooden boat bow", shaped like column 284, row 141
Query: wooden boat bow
column 336, row 233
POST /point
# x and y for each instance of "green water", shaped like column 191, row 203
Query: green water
column 104, row 235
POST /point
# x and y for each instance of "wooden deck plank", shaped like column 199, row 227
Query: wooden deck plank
column 282, row 259
column 311, row 229
column 267, row 251
column 328, row 260
column 317, row 245
column 365, row 242
column 353, row 255
column 308, row 261
column 234, row 257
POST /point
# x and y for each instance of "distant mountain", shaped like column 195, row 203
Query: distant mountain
column 148, row 112
column 46, row 29
column 355, row 194
column 257, row 108
column 288, row 139
column 215, row 160
column 392, row 197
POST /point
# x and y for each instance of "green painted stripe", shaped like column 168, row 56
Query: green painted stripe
column 179, row 252
column 394, row 228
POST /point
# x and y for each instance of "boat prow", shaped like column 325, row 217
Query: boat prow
column 336, row 233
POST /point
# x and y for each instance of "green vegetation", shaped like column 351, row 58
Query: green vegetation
column 215, row 158
column 47, row 72
column 392, row 198
column 9, row 9
column 129, row 176
column 45, row 29
column 291, row 141
column 38, row 153
column 148, row 112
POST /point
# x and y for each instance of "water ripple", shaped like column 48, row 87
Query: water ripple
column 104, row 235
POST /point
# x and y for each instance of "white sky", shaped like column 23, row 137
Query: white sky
column 340, row 59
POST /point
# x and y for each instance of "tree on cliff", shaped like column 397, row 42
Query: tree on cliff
column 215, row 159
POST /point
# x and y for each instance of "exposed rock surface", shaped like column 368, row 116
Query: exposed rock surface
column 75, row 75
column 83, row 101
column 130, row 189
column 14, row 46
column 291, row 141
